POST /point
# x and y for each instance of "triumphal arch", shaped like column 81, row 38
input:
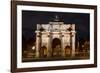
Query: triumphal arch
column 53, row 39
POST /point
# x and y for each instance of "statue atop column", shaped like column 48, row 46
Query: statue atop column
column 56, row 18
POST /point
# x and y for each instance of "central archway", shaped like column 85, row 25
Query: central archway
column 56, row 47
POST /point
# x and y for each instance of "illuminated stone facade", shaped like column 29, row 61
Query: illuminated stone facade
column 53, row 35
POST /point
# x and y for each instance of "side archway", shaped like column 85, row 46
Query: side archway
column 43, row 51
column 68, row 51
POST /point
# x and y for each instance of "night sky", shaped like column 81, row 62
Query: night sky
column 31, row 18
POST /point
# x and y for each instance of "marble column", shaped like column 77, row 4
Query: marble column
column 73, row 39
column 62, row 46
column 38, row 41
column 48, row 45
column 73, row 44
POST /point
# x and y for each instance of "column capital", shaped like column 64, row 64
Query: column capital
column 37, row 31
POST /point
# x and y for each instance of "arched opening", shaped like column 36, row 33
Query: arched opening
column 56, row 47
column 68, row 51
column 43, row 51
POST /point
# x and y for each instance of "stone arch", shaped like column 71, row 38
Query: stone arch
column 56, row 47
column 55, row 42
